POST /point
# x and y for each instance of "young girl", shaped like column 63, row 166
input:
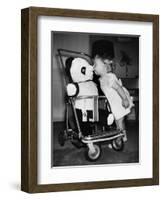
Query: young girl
column 118, row 96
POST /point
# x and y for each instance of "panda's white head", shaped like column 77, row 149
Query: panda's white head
column 81, row 70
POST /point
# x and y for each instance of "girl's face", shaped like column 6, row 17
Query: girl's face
column 102, row 66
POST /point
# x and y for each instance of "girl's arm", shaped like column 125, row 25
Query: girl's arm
column 120, row 91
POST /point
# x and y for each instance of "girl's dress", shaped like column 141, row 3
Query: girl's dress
column 115, row 101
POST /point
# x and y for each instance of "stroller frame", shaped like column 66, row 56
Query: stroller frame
column 92, row 141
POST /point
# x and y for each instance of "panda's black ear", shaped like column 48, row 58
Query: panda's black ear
column 68, row 64
column 83, row 70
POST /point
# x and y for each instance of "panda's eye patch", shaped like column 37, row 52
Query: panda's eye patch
column 83, row 70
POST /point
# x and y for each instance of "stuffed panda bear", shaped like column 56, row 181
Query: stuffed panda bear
column 84, row 88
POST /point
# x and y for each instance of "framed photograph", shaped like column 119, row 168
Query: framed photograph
column 89, row 99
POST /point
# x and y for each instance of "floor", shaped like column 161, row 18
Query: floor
column 69, row 155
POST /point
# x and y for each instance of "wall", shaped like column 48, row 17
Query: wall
column 10, row 99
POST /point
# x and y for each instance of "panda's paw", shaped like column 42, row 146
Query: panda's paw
column 71, row 89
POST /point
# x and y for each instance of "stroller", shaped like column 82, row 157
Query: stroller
column 100, row 134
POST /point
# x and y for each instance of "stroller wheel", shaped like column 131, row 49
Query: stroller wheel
column 93, row 155
column 118, row 144
column 62, row 137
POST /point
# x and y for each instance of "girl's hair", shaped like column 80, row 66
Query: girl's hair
column 103, row 48
column 109, row 65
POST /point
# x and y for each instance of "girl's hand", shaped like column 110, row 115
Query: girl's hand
column 125, row 103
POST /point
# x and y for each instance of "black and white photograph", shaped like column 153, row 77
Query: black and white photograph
column 95, row 99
